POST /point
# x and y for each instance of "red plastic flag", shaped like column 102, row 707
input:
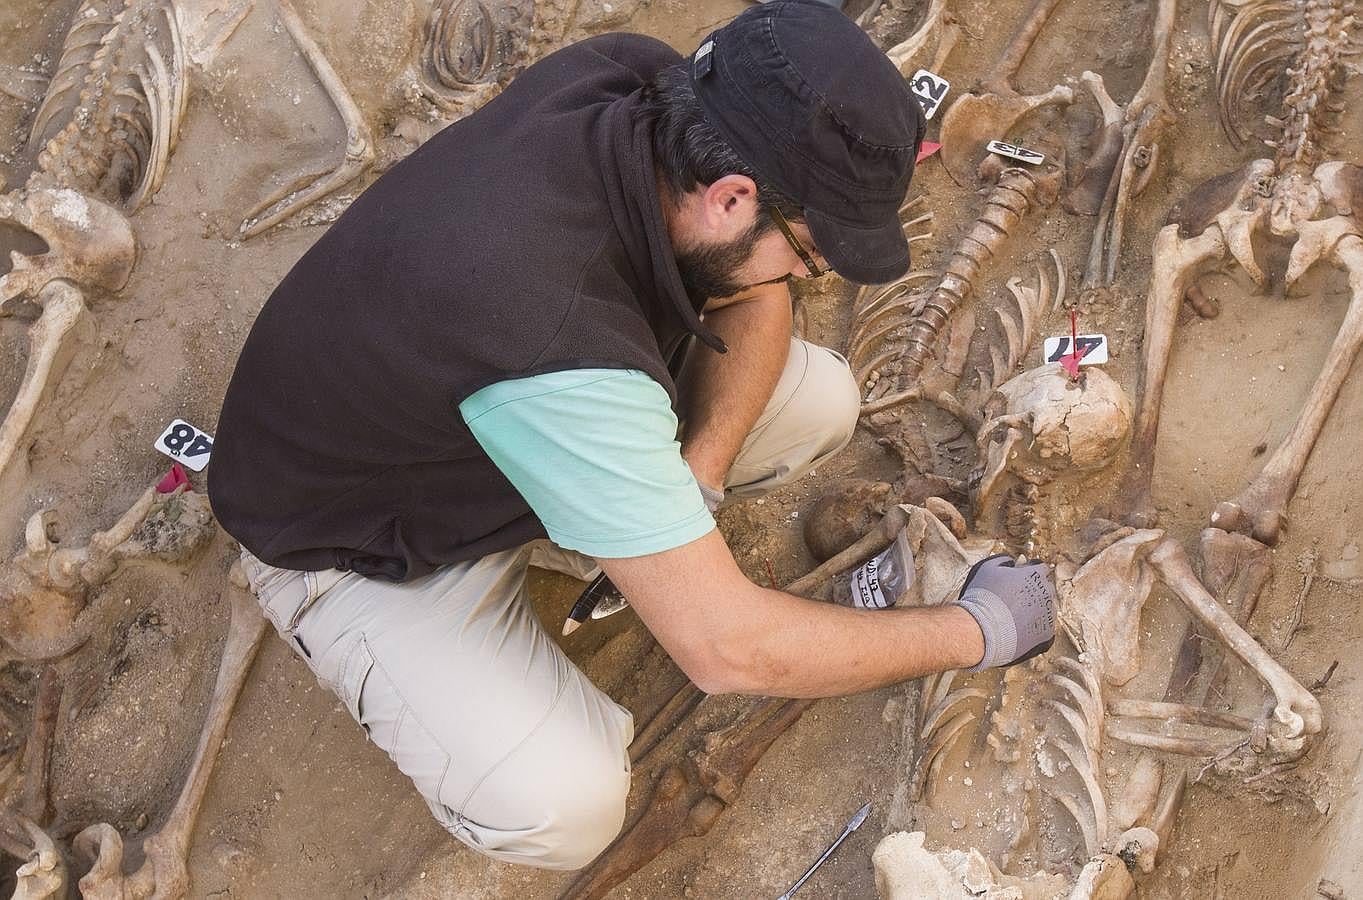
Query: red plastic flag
column 927, row 149
column 173, row 480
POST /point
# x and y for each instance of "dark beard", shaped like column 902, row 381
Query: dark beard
column 708, row 270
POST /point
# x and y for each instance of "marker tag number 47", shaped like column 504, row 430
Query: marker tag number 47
column 1013, row 151
column 1092, row 349
column 184, row 443
column 930, row 89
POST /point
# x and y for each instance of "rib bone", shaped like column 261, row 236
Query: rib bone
column 164, row 874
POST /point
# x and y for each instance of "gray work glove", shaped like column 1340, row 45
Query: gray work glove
column 1014, row 605
column 713, row 498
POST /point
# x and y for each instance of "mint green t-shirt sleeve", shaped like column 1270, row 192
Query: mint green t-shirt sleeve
column 594, row 453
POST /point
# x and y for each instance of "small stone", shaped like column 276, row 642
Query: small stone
column 956, row 825
column 967, row 781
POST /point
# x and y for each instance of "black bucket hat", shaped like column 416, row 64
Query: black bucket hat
column 805, row 98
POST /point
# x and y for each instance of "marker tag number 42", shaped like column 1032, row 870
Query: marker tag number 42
column 1092, row 349
column 1013, row 151
column 184, row 443
column 930, row 89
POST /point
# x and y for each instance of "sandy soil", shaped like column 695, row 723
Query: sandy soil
column 302, row 806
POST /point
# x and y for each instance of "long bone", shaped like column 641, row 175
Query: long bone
column 1177, row 262
column 50, row 350
column 1297, row 714
column 359, row 144
column 1261, row 508
column 1146, row 117
column 1090, row 187
column 164, row 874
column 976, row 119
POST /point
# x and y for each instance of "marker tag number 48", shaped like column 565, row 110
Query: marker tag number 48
column 184, row 443
column 1013, row 151
column 1092, row 349
column 930, row 89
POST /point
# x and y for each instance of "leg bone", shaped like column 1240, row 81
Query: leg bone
column 1297, row 714
column 1261, row 508
column 1177, row 261
column 359, row 147
column 164, row 873
column 49, row 352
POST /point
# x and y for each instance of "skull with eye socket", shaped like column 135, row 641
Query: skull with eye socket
column 1042, row 426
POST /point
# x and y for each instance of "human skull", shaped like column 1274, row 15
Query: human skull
column 1042, row 425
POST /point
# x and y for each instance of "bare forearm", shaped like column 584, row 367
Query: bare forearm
column 724, row 393
column 787, row 646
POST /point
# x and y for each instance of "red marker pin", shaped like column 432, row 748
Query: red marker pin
column 1070, row 361
column 927, row 149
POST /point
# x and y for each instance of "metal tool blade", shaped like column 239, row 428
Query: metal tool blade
column 852, row 826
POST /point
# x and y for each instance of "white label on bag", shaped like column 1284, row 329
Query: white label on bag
column 184, row 443
column 866, row 590
column 1013, row 151
column 930, row 89
column 1092, row 349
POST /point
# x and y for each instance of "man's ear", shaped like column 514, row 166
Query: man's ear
column 728, row 207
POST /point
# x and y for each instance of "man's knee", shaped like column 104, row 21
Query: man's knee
column 812, row 415
column 554, row 816
column 831, row 399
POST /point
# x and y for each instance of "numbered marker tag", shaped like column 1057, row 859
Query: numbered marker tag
column 1092, row 349
column 1013, row 151
column 183, row 442
column 930, row 89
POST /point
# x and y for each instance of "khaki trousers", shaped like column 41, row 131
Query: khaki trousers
column 515, row 751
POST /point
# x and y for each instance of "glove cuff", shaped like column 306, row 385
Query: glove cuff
column 996, row 623
column 713, row 498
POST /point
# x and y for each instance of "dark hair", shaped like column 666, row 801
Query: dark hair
column 690, row 152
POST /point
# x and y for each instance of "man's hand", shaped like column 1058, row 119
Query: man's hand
column 1014, row 607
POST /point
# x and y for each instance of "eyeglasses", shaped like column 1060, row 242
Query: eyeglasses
column 799, row 248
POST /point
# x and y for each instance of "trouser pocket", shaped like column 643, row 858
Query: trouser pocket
column 374, row 701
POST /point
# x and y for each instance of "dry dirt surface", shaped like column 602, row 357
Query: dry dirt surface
column 301, row 805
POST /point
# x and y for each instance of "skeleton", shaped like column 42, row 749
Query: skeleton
column 1281, row 197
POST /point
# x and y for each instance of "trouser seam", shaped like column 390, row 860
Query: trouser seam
column 468, row 798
